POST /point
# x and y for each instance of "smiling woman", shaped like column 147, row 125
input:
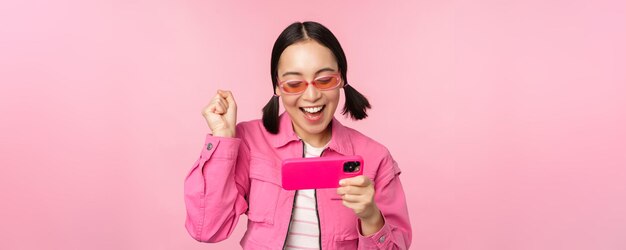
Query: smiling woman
column 239, row 167
column 310, row 108
column 310, row 46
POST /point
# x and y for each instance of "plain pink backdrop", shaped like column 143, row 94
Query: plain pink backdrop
column 507, row 117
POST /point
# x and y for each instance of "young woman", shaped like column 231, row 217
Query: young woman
column 239, row 167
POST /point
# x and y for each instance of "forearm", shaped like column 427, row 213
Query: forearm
column 212, row 198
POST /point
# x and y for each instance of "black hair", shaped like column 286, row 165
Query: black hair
column 356, row 104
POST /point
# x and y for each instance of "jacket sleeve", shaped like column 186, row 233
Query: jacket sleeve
column 216, row 187
column 390, row 199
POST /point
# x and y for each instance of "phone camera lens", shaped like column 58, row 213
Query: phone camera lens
column 351, row 166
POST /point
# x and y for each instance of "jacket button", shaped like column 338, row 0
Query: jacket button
column 381, row 239
column 209, row 146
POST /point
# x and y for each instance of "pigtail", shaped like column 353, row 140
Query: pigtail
column 270, row 115
column 356, row 104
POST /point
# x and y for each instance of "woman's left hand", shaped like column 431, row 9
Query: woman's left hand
column 357, row 194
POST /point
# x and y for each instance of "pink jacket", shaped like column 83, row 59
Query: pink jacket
column 242, row 175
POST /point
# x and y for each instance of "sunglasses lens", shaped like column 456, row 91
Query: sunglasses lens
column 294, row 86
column 299, row 86
column 327, row 82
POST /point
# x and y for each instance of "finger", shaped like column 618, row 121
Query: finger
column 217, row 97
column 347, row 204
column 352, row 198
column 355, row 206
column 347, row 190
column 218, row 100
column 223, row 102
column 210, row 109
column 227, row 95
column 352, row 190
column 341, row 190
column 219, row 108
column 356, row 190
column 360, row 181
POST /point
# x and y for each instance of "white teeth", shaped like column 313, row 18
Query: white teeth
column 313, row 110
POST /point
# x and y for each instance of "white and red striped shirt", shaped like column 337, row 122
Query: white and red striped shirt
column 304, row 232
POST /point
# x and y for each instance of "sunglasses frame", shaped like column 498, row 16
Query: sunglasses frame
column 336, row 75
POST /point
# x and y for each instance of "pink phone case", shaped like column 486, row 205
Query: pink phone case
column 319, row 172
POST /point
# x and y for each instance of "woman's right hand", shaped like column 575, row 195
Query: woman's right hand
column 221, row 114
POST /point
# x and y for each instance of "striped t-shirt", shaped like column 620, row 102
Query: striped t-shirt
column 304, row 232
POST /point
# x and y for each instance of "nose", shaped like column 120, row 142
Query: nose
column 311, row 93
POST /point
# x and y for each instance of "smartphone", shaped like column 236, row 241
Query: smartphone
column 319, row 172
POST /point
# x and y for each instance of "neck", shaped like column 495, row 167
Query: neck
column 316, row 140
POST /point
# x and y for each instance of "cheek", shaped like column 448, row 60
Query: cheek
column 289, row 101
column 333, row 98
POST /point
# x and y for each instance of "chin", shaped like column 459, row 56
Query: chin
column 312, row 119
column 309, row 127
column 316, row 129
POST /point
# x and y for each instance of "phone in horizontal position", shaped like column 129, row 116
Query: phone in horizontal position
column 319, row 172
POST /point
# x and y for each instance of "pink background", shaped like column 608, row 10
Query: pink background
column 507, row 117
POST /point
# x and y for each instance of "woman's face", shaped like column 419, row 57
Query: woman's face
column 308, row 60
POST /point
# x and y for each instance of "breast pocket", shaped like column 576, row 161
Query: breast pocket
column 347, row 242
column 264, row 190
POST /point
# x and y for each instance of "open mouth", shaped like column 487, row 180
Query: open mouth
column 313, row 113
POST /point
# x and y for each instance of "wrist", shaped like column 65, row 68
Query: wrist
column 373, row 218
column 372, row 223
column 227, row 134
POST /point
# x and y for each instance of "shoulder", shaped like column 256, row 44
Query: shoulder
column 376, row 155
column 365, row 144
column 249, row 126
column 252, row 129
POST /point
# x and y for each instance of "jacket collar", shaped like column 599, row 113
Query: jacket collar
column 340, row 141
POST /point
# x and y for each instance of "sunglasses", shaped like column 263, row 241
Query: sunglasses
column 326, row 82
